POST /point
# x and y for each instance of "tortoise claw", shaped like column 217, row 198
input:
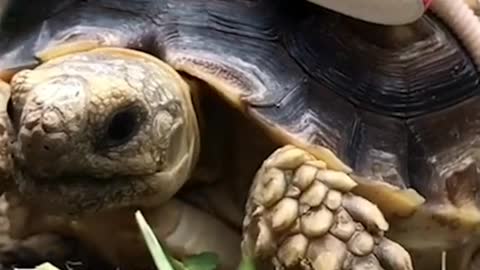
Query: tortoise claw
column 301, row 214
column 392, row 256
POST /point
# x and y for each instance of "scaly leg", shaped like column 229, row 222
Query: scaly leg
column 302, row 215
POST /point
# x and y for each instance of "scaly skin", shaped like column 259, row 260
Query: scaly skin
column 302, row 214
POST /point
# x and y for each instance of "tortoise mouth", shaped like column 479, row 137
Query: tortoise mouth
column 83, row 194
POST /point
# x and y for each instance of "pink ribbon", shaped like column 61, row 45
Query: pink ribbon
column 427, row 3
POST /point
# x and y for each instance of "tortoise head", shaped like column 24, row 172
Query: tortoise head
column 102, row 128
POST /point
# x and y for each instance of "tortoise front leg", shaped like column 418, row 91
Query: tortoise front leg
column 302, row 215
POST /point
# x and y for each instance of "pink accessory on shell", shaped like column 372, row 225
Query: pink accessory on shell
column 427, row 3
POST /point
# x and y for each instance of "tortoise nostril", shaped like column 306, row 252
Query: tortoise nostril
column 42, row 150
column 38, row 140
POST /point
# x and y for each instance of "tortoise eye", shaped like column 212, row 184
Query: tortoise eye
column 122, row 127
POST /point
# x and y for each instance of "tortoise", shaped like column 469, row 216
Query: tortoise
column 314, row 139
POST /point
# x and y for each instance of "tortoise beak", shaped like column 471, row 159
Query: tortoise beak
column 386, row 12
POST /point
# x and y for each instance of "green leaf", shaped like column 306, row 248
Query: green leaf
column 202, row 261
column 177, row 265
column 159, row 257
column 46, row 266
column 247, row 264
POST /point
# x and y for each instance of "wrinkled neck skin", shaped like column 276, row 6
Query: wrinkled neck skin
column 69, row 156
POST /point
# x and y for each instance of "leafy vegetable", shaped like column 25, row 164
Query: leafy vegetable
column 159, row 257
column 202, row 261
